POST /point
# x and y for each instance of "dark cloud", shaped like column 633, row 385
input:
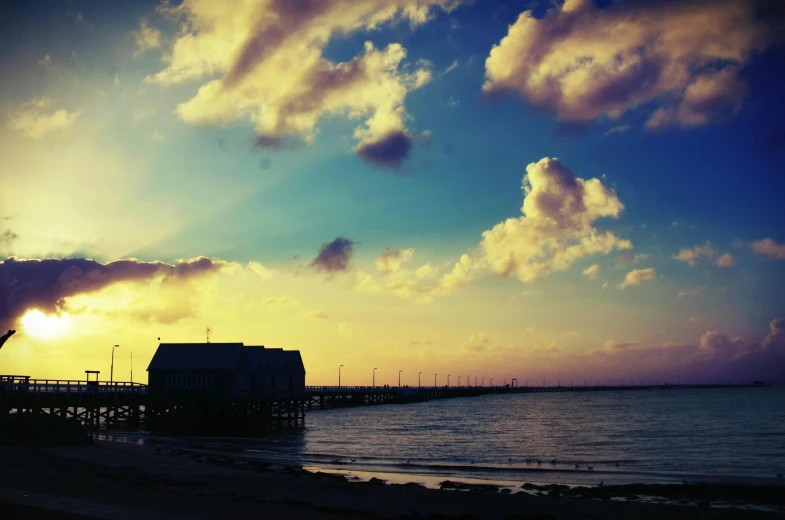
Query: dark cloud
column 264, row 142
column 7, row 239
column 44, row 284
column 389, row 151
column 334, row 256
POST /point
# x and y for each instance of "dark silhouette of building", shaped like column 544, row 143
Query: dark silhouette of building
column 190, row 372
column 184, row 372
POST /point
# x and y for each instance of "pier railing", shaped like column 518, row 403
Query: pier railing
column 22, row 384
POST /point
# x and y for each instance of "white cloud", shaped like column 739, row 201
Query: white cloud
column 391, row 259
column 690, row 256
column 686, row 293
column 265, row 63
column 145, row 39
column 592, row 271
column 583, row 62
column 637, row 276
column 157, row 137
column 557, row 226
column 31, row 119
column 45, row 62
column 725, row 260
column 769, row 248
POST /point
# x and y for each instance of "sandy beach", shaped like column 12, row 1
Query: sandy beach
column 128, row 481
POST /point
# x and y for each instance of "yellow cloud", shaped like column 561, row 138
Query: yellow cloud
column 31, row 119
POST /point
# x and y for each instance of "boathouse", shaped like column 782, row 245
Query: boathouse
column 194, row 372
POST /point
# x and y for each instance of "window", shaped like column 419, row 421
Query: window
column 169, row 381
column 199, row 381
column 179, row 381
column 281, row 383
column 240, row 382
column 208, row 382
column 189, row 381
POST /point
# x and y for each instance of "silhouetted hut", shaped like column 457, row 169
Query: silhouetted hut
column 296, row 371
column 257, row 361
column 183, row 372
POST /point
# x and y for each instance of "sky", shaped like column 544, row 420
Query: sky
column 547, row 191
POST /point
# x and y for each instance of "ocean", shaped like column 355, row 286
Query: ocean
column 656, row 436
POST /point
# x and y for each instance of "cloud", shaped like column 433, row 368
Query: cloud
column 45, row 284
column 158, row 137
column 7, row 240
column 627, row 258
column 686, row 293
column 344, row 330
column 280, row 301
column 116, row 81
column 769, row 248
column 776, row 336
column 265, row 63
column 582, row 62
column 388, row 151
column 318, row 314
column 725, row 260
column 592, row 271
column 30, row 118
column 145, row 39
column 557, row 226
column 637, row 276
column 690, row 256
column 620, row 129
column 482, row 343
column 45, row 62
column 419, row 342
column 334, row 256
column 391, row 259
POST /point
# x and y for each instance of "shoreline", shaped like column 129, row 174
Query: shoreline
column 131, row 481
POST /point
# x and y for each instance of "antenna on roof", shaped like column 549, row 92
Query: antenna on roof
column 209, row 330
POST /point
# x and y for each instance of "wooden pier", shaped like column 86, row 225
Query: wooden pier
column 103, row 404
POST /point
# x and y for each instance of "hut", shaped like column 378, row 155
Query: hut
column 295, row 369
column 192, row 372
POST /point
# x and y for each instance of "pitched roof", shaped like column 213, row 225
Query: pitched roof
column 196, row 356
column 274, row 357
column 293, row 360
column 255, row 355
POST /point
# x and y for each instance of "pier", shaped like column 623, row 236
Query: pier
column 101, row 404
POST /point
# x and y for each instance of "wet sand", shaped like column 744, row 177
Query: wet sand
column 126, row 481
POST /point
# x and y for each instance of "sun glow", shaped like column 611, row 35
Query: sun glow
column 39, row 325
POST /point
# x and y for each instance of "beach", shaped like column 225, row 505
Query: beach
column 128, row 481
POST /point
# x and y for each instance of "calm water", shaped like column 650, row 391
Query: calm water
column 627, row 436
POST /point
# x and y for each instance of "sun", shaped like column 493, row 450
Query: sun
column 39, row 325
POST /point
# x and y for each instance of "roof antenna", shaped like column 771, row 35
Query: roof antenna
column 209, row 330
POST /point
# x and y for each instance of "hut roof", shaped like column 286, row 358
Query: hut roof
column 274, row 357
column 196, row 356
column 256, row 355
column 293, row 361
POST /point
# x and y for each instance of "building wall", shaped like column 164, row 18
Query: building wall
column 184, row 385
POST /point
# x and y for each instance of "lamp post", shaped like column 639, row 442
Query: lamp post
column 419, row 378
column 483, row 381
column 434, row 380
column 448, row 380
column 111, row 369
column 491, row 381
column 374, row 378
column 459, row 381
column 399, row 378
column 469, row 380
column 475, row 380
column 339, row 375
column 132, row 367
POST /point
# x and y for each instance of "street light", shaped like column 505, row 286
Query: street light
column 469, row 380
column 339, row 375
column 448, row 380
column 111, row 369
column 459, row 381
column 399, row 378
column 419, row 377
column 475, row 380
column 491, row 381
column 374, row 377
column 434, row 380
column 483, row 381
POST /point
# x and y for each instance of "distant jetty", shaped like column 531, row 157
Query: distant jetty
column 102, row 404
